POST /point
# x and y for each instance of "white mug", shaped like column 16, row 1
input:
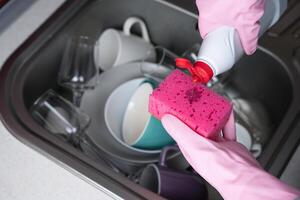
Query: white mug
column 116, row 47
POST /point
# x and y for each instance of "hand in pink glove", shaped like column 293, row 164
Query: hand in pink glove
column 243, row 15
column 227, row 165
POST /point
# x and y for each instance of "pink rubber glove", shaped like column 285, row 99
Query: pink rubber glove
column 243, row 15
column 227, row 165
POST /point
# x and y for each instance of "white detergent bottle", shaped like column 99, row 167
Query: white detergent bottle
column 222, row 48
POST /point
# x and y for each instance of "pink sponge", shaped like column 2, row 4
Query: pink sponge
column 201, row 109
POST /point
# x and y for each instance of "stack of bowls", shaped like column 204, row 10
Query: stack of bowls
column 128, row 120
column 109, row 103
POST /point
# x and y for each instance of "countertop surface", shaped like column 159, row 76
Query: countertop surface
column 25, row 173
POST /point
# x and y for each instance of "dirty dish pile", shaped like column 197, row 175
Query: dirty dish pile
column 110, row 119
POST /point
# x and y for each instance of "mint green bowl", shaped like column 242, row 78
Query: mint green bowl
column 139, row 128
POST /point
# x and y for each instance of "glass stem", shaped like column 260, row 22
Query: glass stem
column 92, row 147
column 77, row 96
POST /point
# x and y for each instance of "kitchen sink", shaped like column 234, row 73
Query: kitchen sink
column 270, row 77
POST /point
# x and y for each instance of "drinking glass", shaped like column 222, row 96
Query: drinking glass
column 61, row 117
column 165, row 63
column 192, row 53
column 78, row 71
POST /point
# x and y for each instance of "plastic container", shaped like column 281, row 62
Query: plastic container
column 222, row 48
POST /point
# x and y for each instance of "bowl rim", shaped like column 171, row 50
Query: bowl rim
column 109, row 127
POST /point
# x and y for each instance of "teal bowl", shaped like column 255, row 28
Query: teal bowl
column 139, row 128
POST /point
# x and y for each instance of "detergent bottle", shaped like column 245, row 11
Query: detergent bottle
column 222, row 48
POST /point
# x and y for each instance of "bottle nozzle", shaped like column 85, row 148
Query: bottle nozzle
column 200, row 71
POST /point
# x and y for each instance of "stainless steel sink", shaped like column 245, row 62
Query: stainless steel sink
column 269, row 77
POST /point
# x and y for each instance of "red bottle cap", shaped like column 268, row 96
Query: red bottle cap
column 203, row 71
column 200, row 71
column 183, row 63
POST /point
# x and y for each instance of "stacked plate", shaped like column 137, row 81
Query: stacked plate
column 104, row 134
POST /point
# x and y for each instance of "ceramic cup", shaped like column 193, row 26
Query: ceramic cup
column 114, row 110
column 139, row 128
column 170, row 183
column 116, row 47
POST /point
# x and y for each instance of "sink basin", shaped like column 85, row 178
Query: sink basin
column 263, row 77
column 261, row 91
